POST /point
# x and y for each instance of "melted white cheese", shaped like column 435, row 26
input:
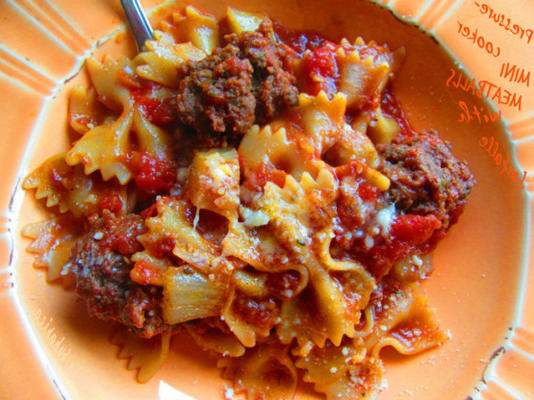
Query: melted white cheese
column 384, row 218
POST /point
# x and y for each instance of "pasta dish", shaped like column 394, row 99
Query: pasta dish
column 259, row 189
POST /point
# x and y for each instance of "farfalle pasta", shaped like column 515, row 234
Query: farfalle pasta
column 258, row 191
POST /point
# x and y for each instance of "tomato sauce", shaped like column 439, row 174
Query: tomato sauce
column 144, row 273
column 384, row 297
column 320, row 70
column 355, row 169
column 256, row 179
column 409, row 234
column 162, row 247
column 262, row 313
column 299, row 41
column 283, row 284
column 150, row 212
column 112, row 202
column 152, row 175
column 121, row 237
column 319, row 65
column 351, row 295
column 391, row 108
column 157, row 108
column 414, row 229
column 159, row 111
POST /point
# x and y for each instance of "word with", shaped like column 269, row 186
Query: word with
column 515, row 74
column 479, row 40
column 57, row 344
column 484, row 88
column 500, row 18
column 492, row 148
column 482, row 114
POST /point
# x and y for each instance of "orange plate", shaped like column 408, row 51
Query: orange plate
column 484, row 280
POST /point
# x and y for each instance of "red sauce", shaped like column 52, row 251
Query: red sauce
column 283, row 284
column 278, row 177
column 367, row 191
column 349, row 290
column 351, row 215
column 387, row 293
column 258, row 312
column 299, row 41
column 409, row 234
column 162, row 247
column 152, row 175
column 348, row 220
column 260, row 176
column 150, row 212
column 112, row 202
column 257, row 179
column 157, row 108
column 414, row 229
column 355, row 169
column 390, row 107
column 122, row 237
column 144, row 273
column 320, row 70
column 159, row 111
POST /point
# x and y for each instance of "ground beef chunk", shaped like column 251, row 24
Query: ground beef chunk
column 425, row 177
column 273, row 86
column 215, row 94
column 245, row 82
column 102, row 280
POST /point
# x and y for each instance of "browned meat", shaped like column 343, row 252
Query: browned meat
column 215, row 94
column 273, row 86
column 425, row 177
column 244, row 82
column 103, row 282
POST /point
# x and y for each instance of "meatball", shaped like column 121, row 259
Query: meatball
column 425, row 177
column 102, row 280
column 273, row 86
column 245, row 82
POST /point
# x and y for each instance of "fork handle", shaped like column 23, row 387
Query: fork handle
column 138, row 22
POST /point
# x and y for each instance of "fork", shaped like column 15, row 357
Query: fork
column 138, row 22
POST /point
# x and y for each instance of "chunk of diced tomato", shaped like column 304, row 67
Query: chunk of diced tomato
column 152, row 175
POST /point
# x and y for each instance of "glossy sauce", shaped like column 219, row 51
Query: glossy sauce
column 152, row 175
